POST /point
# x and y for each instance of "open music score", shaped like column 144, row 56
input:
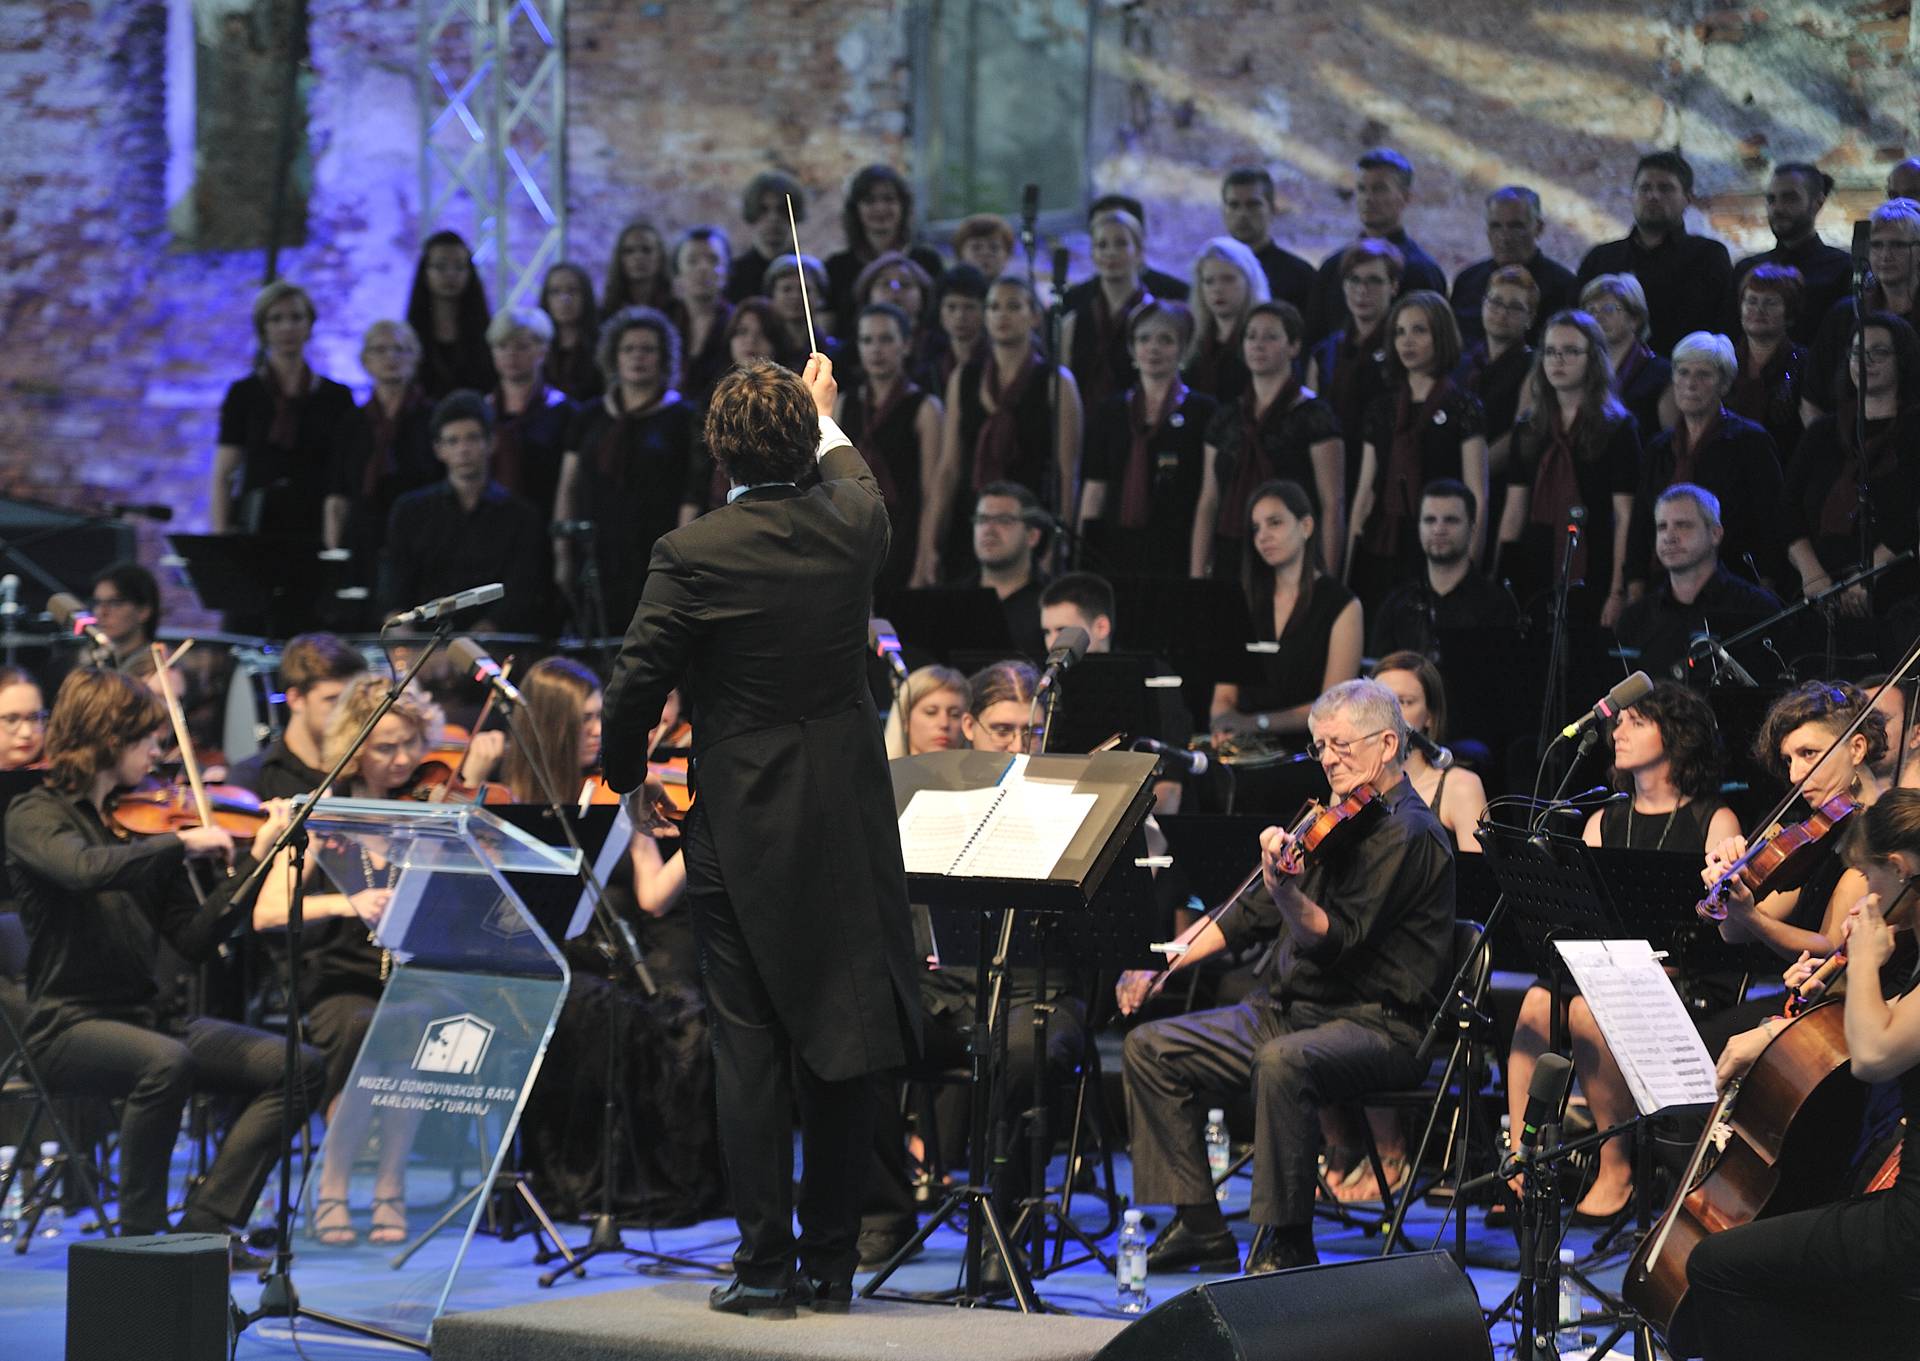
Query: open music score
column 1017, row 829
column 1644, row 1021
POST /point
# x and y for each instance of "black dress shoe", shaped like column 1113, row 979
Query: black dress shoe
column 878, row 1242
column 827, row 1297
column 753, row 1301
column 242, row 1258
column 1269, row 1254
column 1179, row 1248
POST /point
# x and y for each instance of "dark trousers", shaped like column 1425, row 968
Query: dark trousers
column 758, row 1079
column 154, row 1074
column 1836, row 1281
column 1295, row 1058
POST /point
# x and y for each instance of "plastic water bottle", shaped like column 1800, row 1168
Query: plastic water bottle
column 1130, row 1266
column 1219, row 1151
column 16, row 1193
column 53, row 1218
column 1569, row 1340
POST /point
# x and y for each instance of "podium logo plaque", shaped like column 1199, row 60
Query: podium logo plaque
column 453, row 1044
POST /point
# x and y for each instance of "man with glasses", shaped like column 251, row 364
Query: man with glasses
column 1795, row 195
column 1363, row 944
column 1893, row 254
column 1687, row 278
column 1514, row 223
column 1009, row 527
column 126, row 608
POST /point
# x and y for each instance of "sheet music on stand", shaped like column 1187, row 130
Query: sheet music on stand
column 1644, row 1021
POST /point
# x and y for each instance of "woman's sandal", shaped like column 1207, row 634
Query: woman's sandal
column 389, row 1233
column 334, row 1232
column 1361, row 1186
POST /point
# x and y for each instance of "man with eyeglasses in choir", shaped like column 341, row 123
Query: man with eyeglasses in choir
column 1009, row 527
column 1363, row 944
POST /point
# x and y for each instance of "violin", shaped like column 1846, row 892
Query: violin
column 1782, row 859
column 1804, row 996
column 435, row 781
column 154, row 809
column 672, row 774
column 1317, row 826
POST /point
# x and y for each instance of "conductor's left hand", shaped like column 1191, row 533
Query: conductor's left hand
column 818, row 377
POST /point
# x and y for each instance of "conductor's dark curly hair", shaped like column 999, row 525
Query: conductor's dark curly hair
column 1689, row 736
column 761, row 424
column 1829, row 705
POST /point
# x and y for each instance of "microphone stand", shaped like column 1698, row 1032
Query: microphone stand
column 1555, row 700
column 278, row 1297
column 1051, row 490
column 1814, row 601
column 1862, row 518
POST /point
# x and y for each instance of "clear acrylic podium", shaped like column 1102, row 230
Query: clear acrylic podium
column 431, row 1105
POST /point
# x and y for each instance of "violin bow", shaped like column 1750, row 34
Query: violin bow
column 177, row 716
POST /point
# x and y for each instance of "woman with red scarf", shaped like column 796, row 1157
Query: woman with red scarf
column 896, row 428
column 1275, row 429
column 1771, row 368
column 1094, row 335
column 1421, row 428
column 1146, row 453
column 284, row 429
column 1577, row 446
column 998, row 427
column 1349, row 367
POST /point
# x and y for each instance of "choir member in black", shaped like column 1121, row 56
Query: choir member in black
column 1146, row 454
column 566, row 296
column 1293, row 601
column 1448, row 593
column 125, row 601
column 639, row 274
column 1276, row 429
column 792, row 284
column 1093, row 336
column 1495, row 367
column 666, row 1155
column 283, row 428
column 756, row 331
column 1514, row 224
column 1788, row 1285
column 1687, row 278
column 1692, row 591
column 1773, row 368
column 447, row 309
column 393, row 455
column 314, row 671
column 1796, row 192
column 700, row 310
column 1893, row 258
column 1903, row 181
column 960, row 321
column 1382, row 187
column 928, row 715
column 1898, row 704
column 1794, row 740
column 343, row 969
column 898, row 280
column 1227, row 283
column 96, row 907
column 985, row 242
column 1350, row 366
column 1156, row 281
column 1246, row 210
column 763, row 207
column 1578, row 446
column 1009, row 529
column 875, row 217
column 467, row 529
column 1711, row 447
column 1423, row 427
column 530, row 418
column 896, row 428
column 1825, row 498
column 629, row 458
column 1364, row 943
column 1000, row 422
column 1455, row 794
column 1666, row 753
column 1641, row 379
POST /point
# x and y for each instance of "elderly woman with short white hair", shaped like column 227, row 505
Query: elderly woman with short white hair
column 1619, row 304
column 529, row 418
column 1729, row 455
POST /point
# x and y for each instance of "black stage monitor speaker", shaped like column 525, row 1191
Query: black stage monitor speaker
column 164, row 1298
column 1381, row 1309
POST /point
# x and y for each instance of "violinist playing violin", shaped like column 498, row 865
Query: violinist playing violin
column 1338, row 1006
column 95, row 905
column 1838, row 1280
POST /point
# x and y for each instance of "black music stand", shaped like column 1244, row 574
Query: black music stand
column 1122, row 784
column 278, row 582
column 1112, row 692
column 937, row 621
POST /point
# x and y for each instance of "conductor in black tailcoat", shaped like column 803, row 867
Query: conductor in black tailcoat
column 758, row 612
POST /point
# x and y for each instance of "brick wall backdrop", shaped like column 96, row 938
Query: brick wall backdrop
column 116, row 344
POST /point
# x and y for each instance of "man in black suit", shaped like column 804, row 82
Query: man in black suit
column 1382, row 187
column 1246, row 207
column 758, row 613
column 1514, row 223
column 1687, row 278
column 1795, row 195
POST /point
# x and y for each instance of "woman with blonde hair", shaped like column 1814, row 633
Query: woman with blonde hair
column 1227, row 282
column 928, row 715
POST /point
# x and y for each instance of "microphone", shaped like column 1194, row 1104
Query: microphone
column 885, row 643
column 1624, row 695
column 145, row 510
column 1862, row 254
column 1029, row 211
column 1546, row 1094
column 571, row 529
column 1193, row 763
column 448, row 604
column 77, row 620
column 9, row 597
column 1070, row 645
column 1441, row 758
column 470, row 657
column 1060, row 259
column 1576, row 521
